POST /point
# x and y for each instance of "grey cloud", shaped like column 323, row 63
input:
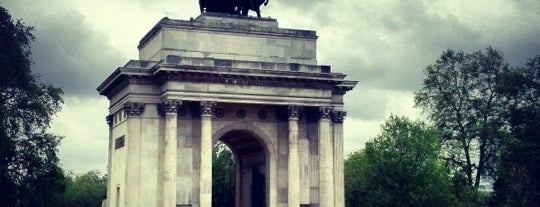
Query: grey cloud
column 303, row 5
column 67, row 52
column 389, row 45
column 366, row 103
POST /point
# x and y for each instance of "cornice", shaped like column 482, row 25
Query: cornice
column 158, row 73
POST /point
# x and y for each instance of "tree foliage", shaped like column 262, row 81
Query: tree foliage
column 86, row 190
column 399, row 167
column 517, row 182
column 459, row 96
column 29, row 172
column 223, row 176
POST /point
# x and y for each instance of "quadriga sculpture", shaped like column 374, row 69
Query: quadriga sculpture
column 241, row 7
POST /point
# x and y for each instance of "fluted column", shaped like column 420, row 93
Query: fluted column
column 205, row 179
column 131, row 189
column 293, row 172
column 109, row 120
column 337, row 119
column 326, row 158
column 170, row 108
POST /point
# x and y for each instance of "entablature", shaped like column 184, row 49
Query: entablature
column 226, row 72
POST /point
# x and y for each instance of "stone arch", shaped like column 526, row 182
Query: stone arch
column 269, row 153
column 269, row 149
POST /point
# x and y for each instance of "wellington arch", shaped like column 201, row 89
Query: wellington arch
column 242, row 81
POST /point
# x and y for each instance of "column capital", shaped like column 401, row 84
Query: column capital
column 207, row 108
column 338, row 116
column 109, row 120
column 133, row 108
column 170, row 106
column 324, row 112
column 294, row 112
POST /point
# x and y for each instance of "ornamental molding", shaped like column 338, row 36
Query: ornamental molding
column 233, row 79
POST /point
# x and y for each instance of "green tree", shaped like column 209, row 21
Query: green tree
column 86, row 190
column 399, row 167
column 459, row 96
column 517, row 182
column 223, row 176
column 29, row 172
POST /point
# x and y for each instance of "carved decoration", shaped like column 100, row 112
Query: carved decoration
column 294, row 112
column 241, row 113
column 109, row 120
column 170, row 106
column 246, row 80
column 338, row 116
column 262, row 114
column 220, row 113
column 325, row 112
column 207, row 108
column 133, row 108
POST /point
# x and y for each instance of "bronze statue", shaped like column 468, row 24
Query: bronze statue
column 254, row 5
column 234, row 7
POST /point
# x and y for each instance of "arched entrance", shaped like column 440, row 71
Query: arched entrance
column 251, row 171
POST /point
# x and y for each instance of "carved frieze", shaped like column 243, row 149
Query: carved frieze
column 233, row 79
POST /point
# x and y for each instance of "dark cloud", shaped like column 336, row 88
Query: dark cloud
column 387, row 45
column 67, row 52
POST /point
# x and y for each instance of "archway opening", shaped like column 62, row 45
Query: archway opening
column 242, row 151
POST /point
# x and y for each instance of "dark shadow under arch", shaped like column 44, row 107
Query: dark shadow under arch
column 253, row 154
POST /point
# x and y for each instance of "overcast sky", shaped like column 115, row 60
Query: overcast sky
column 384, row 44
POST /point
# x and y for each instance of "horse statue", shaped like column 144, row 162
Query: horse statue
column 254, row 5
column 234, row 7
column 219, row 6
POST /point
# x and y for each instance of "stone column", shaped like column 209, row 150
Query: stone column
column 131, row 188
column 293, row 171
column 337, row 119
column 169, row 108
column 205, row 179
column 326, row 159
column 109, row 120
